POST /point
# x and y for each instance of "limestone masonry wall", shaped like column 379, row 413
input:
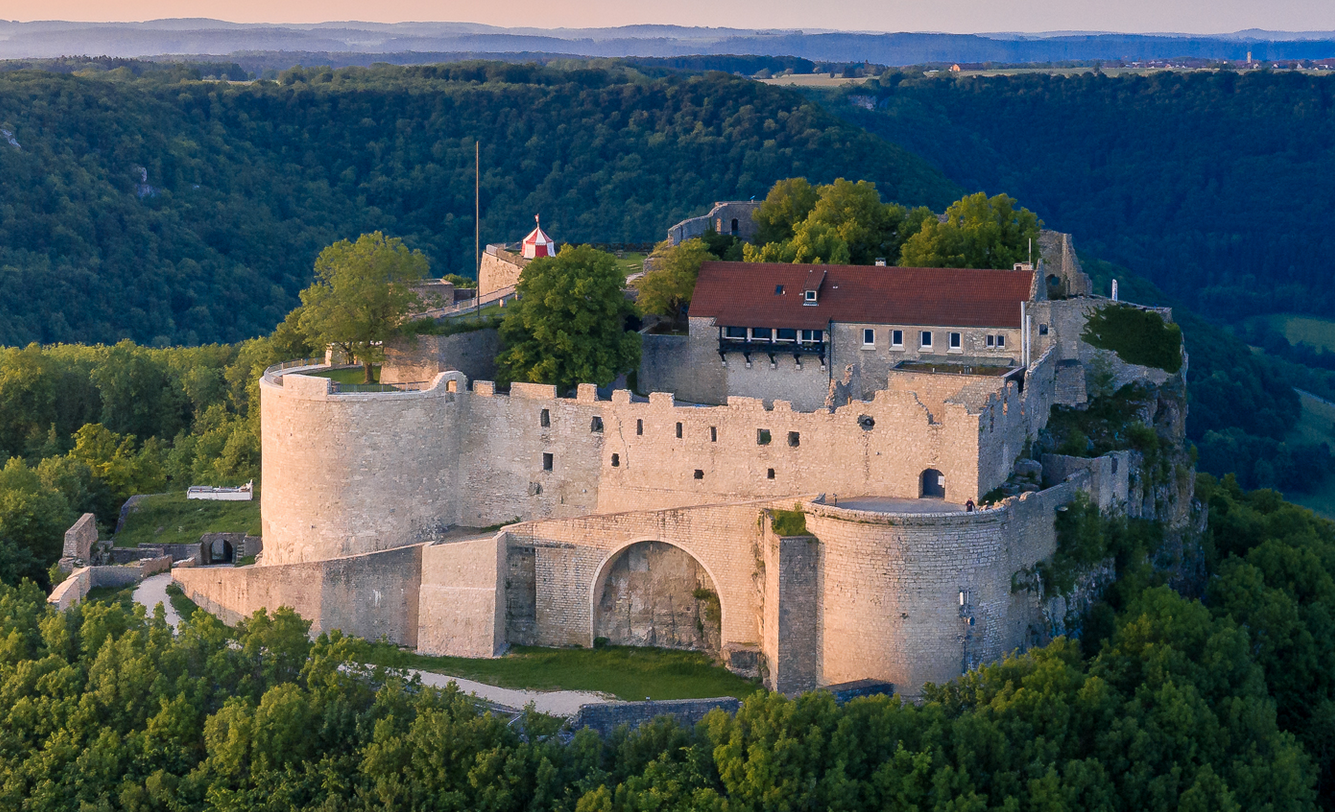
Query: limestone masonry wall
column 461, row 608
column 472, row 353
column 81, row 537
column 373, row 595
column 499, row 269
column 917, row 598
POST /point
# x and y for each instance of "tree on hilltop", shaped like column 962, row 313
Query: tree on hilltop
column 361, row 295
column 978, row 232
column 568, row 325
column 837, row 223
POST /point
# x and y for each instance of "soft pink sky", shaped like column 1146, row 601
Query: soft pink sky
column 1198, row 16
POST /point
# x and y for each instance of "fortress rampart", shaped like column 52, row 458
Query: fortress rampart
column 647, row 521
column 356, row 472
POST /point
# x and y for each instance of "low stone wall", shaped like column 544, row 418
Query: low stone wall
column 373, row 595
column 85, row 579
column 605, row 717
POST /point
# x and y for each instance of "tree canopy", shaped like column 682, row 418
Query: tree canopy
column 1166, row 703
column 978, row 232
column 361, row 295
column 569, row 323
column 847, row 223
column 247, row 183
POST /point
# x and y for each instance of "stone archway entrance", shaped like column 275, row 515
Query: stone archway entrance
column 933, row 484
column 656, row 594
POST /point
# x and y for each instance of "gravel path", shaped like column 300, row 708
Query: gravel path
column 152, row 591
column 554, row 703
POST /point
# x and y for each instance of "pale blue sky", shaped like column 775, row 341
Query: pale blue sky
column 962, row 16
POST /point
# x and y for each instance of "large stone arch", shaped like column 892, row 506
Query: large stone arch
column 650, row 592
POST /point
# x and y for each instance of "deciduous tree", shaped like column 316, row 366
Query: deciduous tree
column 361, row 295
column 568, row 326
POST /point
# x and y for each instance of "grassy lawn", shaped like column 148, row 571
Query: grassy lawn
column 1304, row 329
column 625, row 672
column 1316, row 425
column 172, row 519
column 122, row 595
column 347, row 374
column 183, row 605
column 631, row 263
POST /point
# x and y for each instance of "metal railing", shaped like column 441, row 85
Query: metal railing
column 270, row 372
column 406, row 386
column 502, row 295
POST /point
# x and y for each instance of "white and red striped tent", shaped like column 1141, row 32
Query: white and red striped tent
column 538, row 244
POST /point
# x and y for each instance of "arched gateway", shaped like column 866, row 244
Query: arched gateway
column 651, row 593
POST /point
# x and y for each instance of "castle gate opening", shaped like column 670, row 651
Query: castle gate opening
column 933, row 484
column 656, row 594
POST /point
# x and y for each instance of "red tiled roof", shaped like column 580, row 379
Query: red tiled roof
column 742, row 294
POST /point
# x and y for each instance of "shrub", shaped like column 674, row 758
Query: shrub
column 788, row 522
column 1138, row 336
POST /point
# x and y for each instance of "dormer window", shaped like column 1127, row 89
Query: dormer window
column 810, row 297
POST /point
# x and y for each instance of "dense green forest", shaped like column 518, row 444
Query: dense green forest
column 174, row 211
column 1166, row 703
column 83, row 428
column 1204, row 182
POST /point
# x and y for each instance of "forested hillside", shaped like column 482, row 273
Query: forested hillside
column 178, row 211
column 1165, row 703
column 1210, row 184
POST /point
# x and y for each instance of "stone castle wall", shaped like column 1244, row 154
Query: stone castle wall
column 472, row 353
column 917, row 598
column 372, row 596
column 351, row 473
column 498, row 269
column 720, row 218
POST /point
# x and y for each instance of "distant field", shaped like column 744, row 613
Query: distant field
column 1303, row 329
column 626, row 672
column 173, row 519
column 1316, row 425
column 813, row 80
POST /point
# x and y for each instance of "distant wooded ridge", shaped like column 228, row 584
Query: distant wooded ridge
column 436, row 40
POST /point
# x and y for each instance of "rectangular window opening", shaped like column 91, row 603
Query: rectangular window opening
column 616, row 460
column 678, row 431
column 546, row 462
column 762, row 437
column 639, row 427
column 1001, row 341
column 713, row 434
column 699, row 474
column 778, row 290
column 868, row 337
column 734, row 332
column 545, row 418
column 955, row 341
column 926, row 338
column 896, row 338
column 794, row 439
column 769, row 474
column 785, row 334
column 596, row 425
column 991, row 340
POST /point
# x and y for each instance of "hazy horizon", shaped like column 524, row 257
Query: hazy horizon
column 946, row 16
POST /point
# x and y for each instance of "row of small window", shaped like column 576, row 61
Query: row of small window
column 616, row 463
column 763, row 436
column 925, row 339
column 776, row 335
